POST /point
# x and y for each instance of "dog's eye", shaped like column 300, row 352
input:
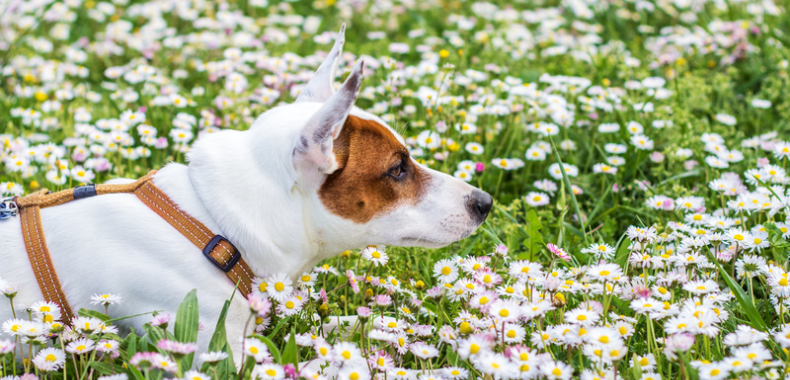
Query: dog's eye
column 398, row 171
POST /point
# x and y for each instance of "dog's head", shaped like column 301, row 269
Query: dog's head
column 323, row 172
column 362, row 173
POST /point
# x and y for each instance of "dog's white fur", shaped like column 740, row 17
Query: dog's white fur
column 259, row 188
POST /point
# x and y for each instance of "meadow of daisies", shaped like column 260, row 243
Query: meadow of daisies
column 637, row 151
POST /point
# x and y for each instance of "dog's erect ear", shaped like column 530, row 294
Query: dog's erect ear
column 313, row 155
column 321, row 86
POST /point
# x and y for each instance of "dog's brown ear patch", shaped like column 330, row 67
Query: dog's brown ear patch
column 374, row 175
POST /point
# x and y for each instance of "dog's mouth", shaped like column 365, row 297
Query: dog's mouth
column 433, row 242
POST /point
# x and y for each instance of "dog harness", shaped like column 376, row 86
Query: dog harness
column 216, row 248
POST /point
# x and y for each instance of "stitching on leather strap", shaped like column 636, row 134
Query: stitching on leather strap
column 41, row 262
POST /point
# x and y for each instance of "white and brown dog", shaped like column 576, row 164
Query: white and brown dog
column 308, row 180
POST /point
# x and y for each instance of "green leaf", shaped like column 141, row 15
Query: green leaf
column 219, row 342
column 568, row 186
column 533, row 234
column 279, row 326
column 289, row 352
column 155, row 334
column 186, row 326
column 105, row 368
column 690, row 173
column 490, row 233
column 743, row 299
column 93, row 314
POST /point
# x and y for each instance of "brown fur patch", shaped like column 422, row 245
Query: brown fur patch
column 361, row 188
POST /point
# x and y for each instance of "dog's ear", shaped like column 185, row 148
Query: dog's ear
column 313, row 155
column 321, row 86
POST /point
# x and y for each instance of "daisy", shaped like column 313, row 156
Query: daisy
column 483, row 300
column 524, row 269
column 582, row 317
column 193, row 375
column 463, row 175
column 376, row 255
column 307, row 280
column 49, row 359
column 80, row 346
column 455, row 373
column 445, row 271
column 605, row 169
column 291, row 306
column 381, row 361
column 600, row 251
column 645, row 305
column 535, row 154
column 505, row 310
column 559, row 252
column 513, row 333
column 354, row 372
column 279, row 287
column 646, row 362
column 496, row 365
column 537, row 199
column 423, row 351
column 726, row 119
column 106, row 299
column 256, row 349
column 324, row 350
column 642, row 142
column 474, row 148
column 713, row 371
column 556, row 173
column 429, row 140
column 507, row 163
column 473, row 345
column 346, row 352
column 268, row 372
column 556, row 370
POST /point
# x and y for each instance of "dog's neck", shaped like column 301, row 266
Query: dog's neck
column 269, row 219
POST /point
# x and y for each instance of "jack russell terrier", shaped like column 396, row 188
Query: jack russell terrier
column 308, row 180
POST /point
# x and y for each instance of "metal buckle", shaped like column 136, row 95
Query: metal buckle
column 8, row 208
column 213, row 243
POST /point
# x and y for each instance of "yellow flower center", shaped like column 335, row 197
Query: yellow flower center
column 556, row 372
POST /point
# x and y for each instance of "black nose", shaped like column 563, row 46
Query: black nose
column 479, row 203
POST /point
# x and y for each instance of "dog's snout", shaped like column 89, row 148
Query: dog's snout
column 479, row 203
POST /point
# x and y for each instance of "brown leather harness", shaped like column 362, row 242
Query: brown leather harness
column 216, row 248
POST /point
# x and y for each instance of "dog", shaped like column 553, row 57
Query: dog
column 307, row 181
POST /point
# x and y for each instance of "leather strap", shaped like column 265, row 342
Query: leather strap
column 41, row 262
column 216, row 248
column 222, row 252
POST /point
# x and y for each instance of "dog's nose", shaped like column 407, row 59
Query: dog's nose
column 479, row 203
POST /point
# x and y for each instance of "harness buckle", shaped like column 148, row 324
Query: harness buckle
column 8, row 208
column 213, row 243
